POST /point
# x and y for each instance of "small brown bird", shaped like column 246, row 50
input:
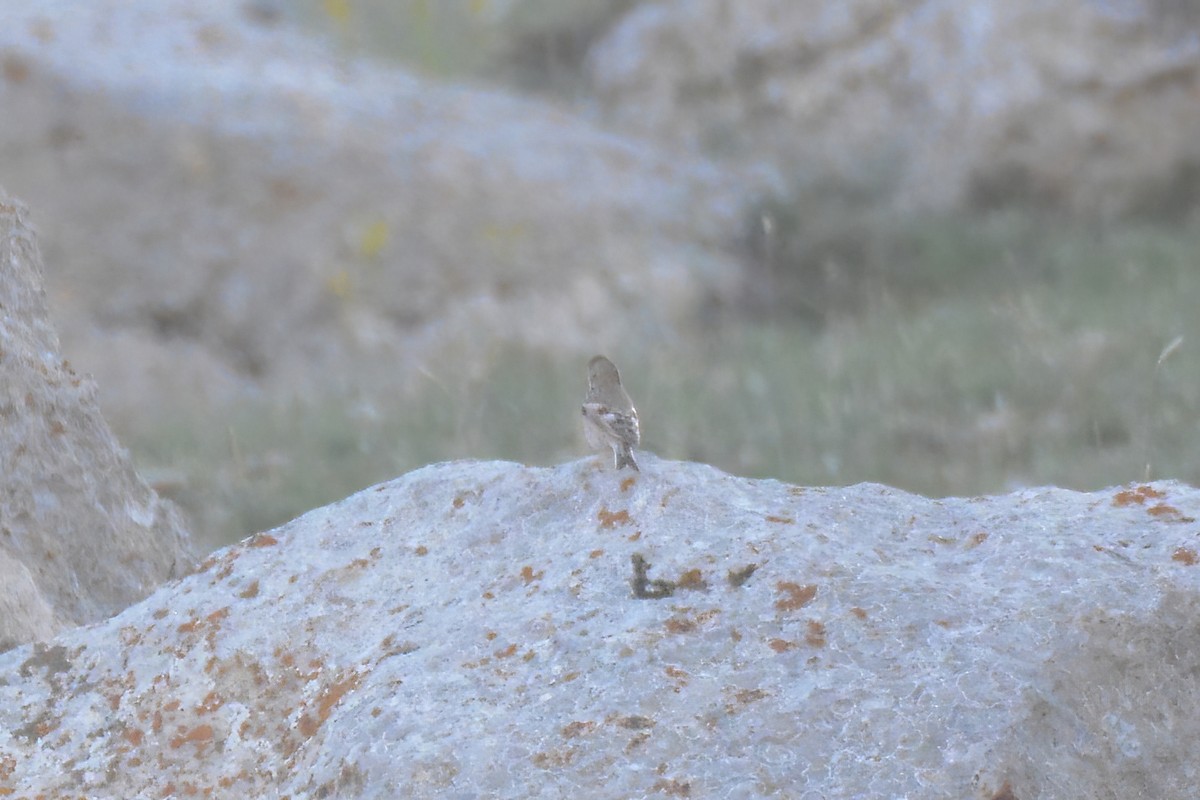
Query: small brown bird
column 609, row 418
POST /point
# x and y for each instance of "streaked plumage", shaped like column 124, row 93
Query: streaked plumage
column 609, row 418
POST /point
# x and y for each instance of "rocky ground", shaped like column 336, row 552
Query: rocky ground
column 231, row 209
column 488, row 629
column 81, row 535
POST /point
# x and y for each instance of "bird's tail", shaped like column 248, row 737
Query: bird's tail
column 625, row 458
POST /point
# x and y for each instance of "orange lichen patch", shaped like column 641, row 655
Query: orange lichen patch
column 633, row 537
column 421, row 550
column 132, row 735
column 1184, row 555
column 682, row 623
column 797, row 596
column 1136, row 496
column 781, row 645
column 212, row 622
column 976, row 539
column 1005, row 793
column 226, row 568
column 743, row 698
column 595, row 554
column 488, row 596
column 1168, row 513
column 861, row 613
column 250, row 591
column 553, row 759
column 637, row 741
column 130, row 636
column 576, row 729
column 692, row 579
column 627, row 482
column 390, row 647
column 15, row 70
column 458, row 501
column 200, row 735
column 329, row 697
column 211, row 702
column 506, row 652
column 676, row 673
column 207, row 564
column 262, row 540
column 610, row 519
column 529, row 576
column 666, row 498
column 672, row 787
column 815, row 636
column 780, row 520
column 307, row 726
column 162, row 612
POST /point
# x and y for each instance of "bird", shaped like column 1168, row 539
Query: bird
column 609, row 418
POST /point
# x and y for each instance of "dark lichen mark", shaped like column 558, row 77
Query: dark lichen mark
column 737, row 577
column 643, row 587
column 54, row 659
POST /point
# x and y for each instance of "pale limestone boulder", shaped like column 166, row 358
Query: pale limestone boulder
column 81, row 535
column 249, row 195
column 470, row 630
column 1082, row 105
column 25, row 615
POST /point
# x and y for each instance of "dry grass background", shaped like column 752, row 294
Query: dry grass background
column 1028, row 354
column 949, row 356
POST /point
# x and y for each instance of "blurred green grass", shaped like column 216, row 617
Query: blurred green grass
column 538, row 45
column 1028, row 354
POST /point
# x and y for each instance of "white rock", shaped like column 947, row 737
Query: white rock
column 469, row 630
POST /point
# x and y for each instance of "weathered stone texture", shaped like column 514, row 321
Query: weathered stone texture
column 81, row 535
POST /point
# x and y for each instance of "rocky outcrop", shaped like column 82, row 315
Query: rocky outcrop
column 81, row 536
column 1076, row 104
column 483, row 629
column 300, row 218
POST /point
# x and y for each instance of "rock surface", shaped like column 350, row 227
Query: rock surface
column 470, row 630
column 1082, row 105
column 300, row 218
column 81, row 536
